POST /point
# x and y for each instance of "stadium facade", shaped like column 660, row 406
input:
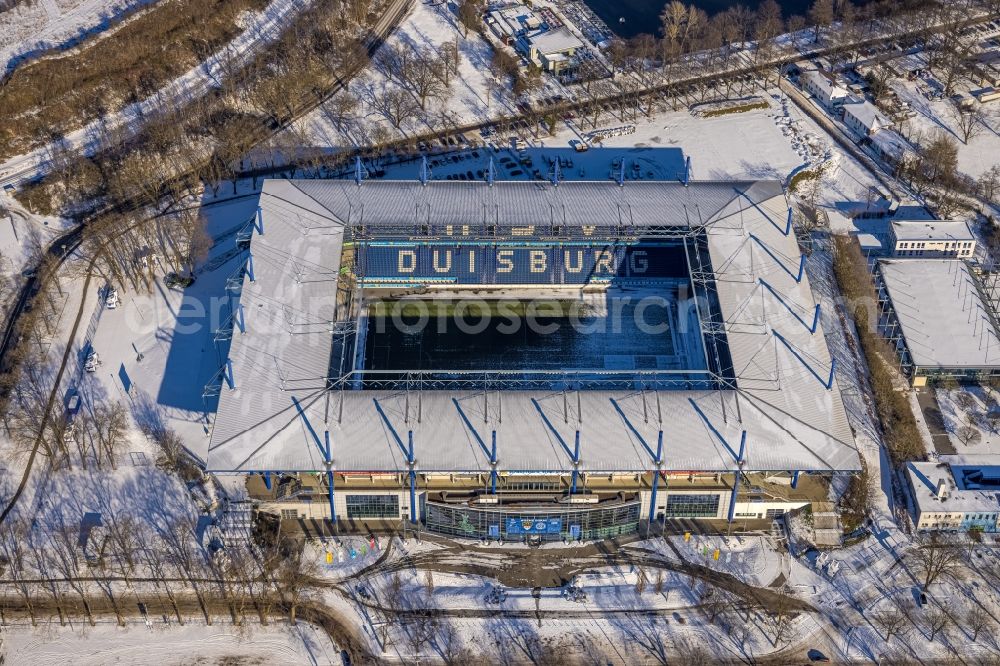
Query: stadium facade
column 731, row 410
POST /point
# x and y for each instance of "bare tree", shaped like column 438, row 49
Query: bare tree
column 341, row 108
column 154, row 558
column 394, row 105
column 937, row 622
column 976, row 620
column 970, row 123
column 13, row 542
column 67, row 561
column 934, row 559
column 989, row 184
column 294, row 575
column 470, row 16
column 969, row 434
column 108, row 427
column 424, row 76
column 821, row 15
column 185, row 555
column 890, row 621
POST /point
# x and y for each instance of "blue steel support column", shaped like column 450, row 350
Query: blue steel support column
column 736, row 476
column 259, row 224
column 576, row 463
column 240, row 320
column 333, row 508
column 413, row 482
column 732, row 498
column 230, row 380
column 795, row 479
column 656, row 477
column 652, row 499
column 250, row 266
column 267, row 480
column 687, row 170
column 329, row 477
column 493, row 465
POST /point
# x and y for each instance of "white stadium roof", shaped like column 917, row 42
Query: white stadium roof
column 278, row 414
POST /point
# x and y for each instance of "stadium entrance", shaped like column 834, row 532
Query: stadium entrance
column 523, row 523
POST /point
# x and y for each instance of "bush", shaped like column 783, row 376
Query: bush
column 902, row 437
column 742, row 108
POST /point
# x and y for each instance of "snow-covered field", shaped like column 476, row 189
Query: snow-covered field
column 194, row 643
column 36, row 26
column 260, row 28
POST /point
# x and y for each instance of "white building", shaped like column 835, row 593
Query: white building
column 552, row 50
column 824, row 87
column 889, row 146
column 931, row 239
column 958, row 493
column 864, row 118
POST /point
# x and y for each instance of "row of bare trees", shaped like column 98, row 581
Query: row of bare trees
column 69, row 569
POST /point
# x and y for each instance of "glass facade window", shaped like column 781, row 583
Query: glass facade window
column 692, row 506
column 547, row 525
column 372, row 506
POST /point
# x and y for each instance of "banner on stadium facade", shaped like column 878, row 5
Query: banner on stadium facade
column 534, row 525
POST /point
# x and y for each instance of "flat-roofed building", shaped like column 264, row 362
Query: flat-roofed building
column 956, row 493
column 552, row 50
column 931, row 239
column 935, row 315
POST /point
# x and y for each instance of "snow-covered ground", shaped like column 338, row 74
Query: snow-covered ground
column 977, row 415
column 429, row 27
column 981, row 153
column 193, row 643
column 158, row 348
column 33, row 27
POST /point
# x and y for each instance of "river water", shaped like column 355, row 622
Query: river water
column 644, row 15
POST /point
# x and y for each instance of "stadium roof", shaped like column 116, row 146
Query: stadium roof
column 941, row 314
column 279, row 411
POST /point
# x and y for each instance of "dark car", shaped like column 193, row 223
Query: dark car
column 817, row 657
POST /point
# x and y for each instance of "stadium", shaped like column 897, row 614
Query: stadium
column 526, row 360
